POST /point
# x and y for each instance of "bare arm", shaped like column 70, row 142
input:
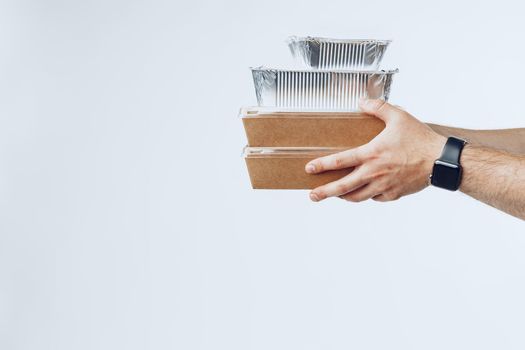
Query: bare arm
column 399, row 160
column 494, row 177
column 508, row 140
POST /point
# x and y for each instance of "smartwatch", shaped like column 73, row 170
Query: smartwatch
column 447, row 171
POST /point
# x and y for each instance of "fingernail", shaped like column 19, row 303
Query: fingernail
column 314, row 197
column 310, row 168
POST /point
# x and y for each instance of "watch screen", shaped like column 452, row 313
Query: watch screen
column 446, row 176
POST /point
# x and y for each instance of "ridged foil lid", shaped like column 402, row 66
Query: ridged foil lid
column 329, row 53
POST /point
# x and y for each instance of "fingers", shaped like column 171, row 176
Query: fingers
column 380, row 198
column 386, row 197
column 340, row 187
column 362, row 194
column 341, row 160
column 378, row 108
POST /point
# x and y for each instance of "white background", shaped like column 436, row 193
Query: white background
column 126, row 216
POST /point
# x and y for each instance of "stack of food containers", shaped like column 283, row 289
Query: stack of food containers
column 307, row 113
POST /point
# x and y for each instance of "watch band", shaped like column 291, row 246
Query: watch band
column 452, row 150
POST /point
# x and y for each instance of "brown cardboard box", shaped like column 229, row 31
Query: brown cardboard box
column 280, row 144
column 273, row 168
column 309, row 129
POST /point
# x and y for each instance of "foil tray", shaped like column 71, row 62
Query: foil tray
column 319, row 90
column 324, row 53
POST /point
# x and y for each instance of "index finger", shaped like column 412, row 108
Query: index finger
column 341, row 160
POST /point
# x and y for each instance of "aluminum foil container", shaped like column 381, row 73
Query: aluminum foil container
column 319, row 90
column 324, row 53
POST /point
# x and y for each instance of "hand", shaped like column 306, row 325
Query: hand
column 397, row 162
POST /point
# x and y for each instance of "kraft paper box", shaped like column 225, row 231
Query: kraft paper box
column 309, row 129
column 281, row 143
column 274, row 168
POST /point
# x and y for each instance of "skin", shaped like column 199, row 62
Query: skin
column 399, row 160
column 508, row 140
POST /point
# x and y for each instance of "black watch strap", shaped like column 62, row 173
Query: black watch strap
column 452, row 150
column 447, row 171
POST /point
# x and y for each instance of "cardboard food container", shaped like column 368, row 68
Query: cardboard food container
column 283, row 168
column 267, row 128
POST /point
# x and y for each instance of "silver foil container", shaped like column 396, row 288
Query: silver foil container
column 319, row 90
column 324, row 53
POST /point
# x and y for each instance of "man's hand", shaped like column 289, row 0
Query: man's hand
column 395, row 163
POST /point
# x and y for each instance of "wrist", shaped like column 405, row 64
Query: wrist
column 434, row 147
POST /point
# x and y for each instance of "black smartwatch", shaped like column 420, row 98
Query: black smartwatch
column 447, row 169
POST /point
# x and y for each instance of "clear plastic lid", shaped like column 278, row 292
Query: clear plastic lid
column 253, row 152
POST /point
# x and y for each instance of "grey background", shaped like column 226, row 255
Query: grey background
column 126, row 216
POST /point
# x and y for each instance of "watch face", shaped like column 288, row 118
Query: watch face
column 446, row 175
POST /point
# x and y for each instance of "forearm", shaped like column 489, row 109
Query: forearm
column 508, row 140
column 494, row 177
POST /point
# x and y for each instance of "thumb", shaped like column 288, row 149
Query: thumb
column 378, row 108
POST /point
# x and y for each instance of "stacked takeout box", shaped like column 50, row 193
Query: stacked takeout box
column 306, row 113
